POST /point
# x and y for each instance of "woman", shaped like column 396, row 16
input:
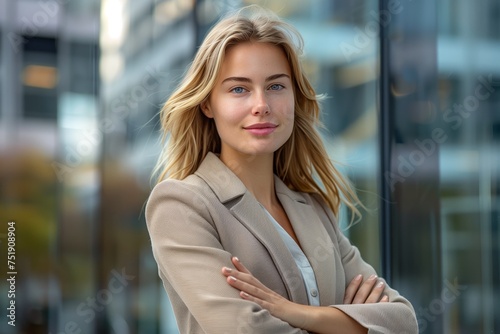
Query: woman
column 245, row 238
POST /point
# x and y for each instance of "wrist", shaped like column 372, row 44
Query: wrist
column 309, row 316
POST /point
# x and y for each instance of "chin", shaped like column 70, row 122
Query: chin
column 262, row 152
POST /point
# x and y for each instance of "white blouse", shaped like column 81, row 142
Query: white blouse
column 301, row 261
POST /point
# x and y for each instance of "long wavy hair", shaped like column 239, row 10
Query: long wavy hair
column 188, row 135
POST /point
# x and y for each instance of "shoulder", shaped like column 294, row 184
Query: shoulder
column 190, row 184
column 170, row 195
column 176, row 188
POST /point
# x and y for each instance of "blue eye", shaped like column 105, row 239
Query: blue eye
column 276, row 87
column 238, row 90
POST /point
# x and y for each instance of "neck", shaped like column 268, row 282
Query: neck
column 256, row 173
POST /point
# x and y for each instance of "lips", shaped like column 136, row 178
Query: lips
column 261, row 126
column 261, row 129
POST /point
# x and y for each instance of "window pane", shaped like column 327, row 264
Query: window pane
column 469, row 104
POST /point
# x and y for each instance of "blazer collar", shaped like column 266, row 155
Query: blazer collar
column 227, row 186
column 223, row 182
column 312, row 235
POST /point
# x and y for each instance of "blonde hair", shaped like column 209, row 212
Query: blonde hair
column 190, row 135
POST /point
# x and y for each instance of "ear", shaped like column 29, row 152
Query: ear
column 205, row 108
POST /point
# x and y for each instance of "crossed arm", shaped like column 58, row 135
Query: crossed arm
column 211, row 305
column 317, row 319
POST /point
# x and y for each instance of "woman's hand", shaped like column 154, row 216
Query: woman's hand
column 369, row 291
column 252, row 289
column 311, row 318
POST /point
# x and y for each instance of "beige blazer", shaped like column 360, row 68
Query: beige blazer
column 197, row 224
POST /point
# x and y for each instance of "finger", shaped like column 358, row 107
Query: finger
column 248, row 288
column 226, row 271
column 243, row 277
column 237, row 263
column 246, row 277
column 376, row 293
column 365, row 290
column 350, row 292
column 253, row 287
column 264, row 304
column 385, row 299
column 270, row 306
column 239, row 268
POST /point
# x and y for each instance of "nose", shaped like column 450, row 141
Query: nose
column 261, row 106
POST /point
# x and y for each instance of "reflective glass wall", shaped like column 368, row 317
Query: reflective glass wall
column 439, row 127
column 468, row 52
column 412, row 115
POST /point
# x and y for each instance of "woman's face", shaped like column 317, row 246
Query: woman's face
column 252, row 102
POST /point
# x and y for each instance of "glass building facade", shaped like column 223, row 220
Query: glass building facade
column 412, row 115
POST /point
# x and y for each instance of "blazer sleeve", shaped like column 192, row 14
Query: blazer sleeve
column 190, row 258
column 394, row 317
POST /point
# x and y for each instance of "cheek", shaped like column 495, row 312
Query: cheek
column 290, row 106
column 230, row 113
column 289, row 120
column 226, row 121
column 290, row 112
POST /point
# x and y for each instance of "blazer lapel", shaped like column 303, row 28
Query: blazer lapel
column 313, row 237
column 250, row 213
column 245, row 208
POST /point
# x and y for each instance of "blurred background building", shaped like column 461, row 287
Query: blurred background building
column 413, row 114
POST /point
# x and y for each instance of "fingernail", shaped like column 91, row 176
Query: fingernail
column 228, row 270
column 372, row 277
column 236, row 259
column 232, row 278
column 244, row 294
column 359, row 277
column 380, row 284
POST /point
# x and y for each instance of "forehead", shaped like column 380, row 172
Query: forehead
column 254, row 58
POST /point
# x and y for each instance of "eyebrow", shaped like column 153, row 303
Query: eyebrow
column 269, row 78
